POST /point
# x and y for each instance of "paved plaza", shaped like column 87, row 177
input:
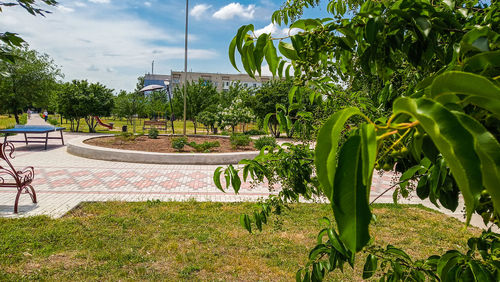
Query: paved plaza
column 62, row 181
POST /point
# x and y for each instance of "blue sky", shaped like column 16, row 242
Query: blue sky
column 115, row 41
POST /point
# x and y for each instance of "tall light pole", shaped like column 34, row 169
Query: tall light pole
column 185, row 65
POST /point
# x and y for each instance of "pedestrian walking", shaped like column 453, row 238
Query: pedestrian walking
column 45, row 115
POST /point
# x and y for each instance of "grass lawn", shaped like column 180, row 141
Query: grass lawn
column 197, row 241
column 178, row 125
column 7, row 122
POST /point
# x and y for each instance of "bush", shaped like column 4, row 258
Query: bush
column 240, row 140
column 265, row 141
column 153, row 133
column 179, row 143
column 53, row 121
column 224, row 132
column 254, row 132
column 128, row 136
column 23, row 119
column 205, row 146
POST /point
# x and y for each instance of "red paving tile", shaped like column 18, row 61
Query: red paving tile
column 89, row 183
column 80, row 173
column 102, row 174
column 62, row 182
column 57, row 172
column 116, row 183
column 170, row 184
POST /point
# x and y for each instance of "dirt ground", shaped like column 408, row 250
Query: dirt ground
column 164, row 145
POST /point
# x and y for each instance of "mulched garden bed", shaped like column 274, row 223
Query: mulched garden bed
column 164, row 144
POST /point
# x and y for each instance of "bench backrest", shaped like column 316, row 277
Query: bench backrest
column 6, row 152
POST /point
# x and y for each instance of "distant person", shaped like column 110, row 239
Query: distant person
column 29, row 113
column 45, row 115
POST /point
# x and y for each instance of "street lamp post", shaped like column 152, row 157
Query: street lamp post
column 167, row 83
column 185, row 65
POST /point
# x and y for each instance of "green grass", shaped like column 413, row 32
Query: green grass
column 7, row 122
column 118, row 123
column 10, row 122
column 197, row 241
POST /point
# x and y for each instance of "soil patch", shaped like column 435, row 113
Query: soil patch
column 164, row 144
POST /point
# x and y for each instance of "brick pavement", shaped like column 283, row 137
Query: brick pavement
column 62, row 181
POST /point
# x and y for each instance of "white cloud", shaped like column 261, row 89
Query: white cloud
column 199, row 10
column 276, row 31
column 235, row 10
column 147, row 4
column 80, row 4
column 65, row 9
column 112, row 50
column 100, row 1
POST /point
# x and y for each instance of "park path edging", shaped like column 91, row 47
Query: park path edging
column 77, row 147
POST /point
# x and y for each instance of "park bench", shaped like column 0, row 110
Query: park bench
column 158, row 124
column 13, row 178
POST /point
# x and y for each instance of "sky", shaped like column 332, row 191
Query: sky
column 115, row 41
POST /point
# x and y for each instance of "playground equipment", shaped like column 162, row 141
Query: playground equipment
column 99, row 121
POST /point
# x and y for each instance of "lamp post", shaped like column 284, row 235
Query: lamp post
column 185, row 65
column 167, row 83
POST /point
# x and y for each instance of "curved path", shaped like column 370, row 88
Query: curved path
column 62, row 181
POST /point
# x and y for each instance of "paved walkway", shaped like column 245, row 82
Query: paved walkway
column 62, row 181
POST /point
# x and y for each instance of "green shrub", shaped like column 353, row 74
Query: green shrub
column 205, row 146
column 224, row 132
column 128, row 136
column 153, row 133
column 264, row 141
column 178, row 143
column 240, row 140
column 53, row 121
column 254, row 132
column 23, row 119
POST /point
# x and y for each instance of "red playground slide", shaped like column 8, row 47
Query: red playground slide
column 99, row 121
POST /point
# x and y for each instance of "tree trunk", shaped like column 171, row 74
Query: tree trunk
column 77, row 124
column 194, row 123
column 16, row 116
column 232, row 127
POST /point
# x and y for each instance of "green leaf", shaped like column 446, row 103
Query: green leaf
column 291, row 94
column 287, row 50
column 240, row 36
column 272, row 57
column 280, row 68
column 350, row 202
column 235, row 179
column 370, row 30
column 266, row 121
column 245, row 222
column 232, row 50
column 369, row 152
column 370, row 266
column 455, row 82
column 424, row 25
column 482, row 61
column 258, row 52
column 326, row 148
column 488, row 150
column 455, row 143
column 217, row 174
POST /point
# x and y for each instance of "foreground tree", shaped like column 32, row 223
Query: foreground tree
column 436, row 65
column 28, row 81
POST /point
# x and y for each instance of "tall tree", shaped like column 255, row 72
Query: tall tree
column 28, row 80
column 200, row 95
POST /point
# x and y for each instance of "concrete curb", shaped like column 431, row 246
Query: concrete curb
column 78, row 148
